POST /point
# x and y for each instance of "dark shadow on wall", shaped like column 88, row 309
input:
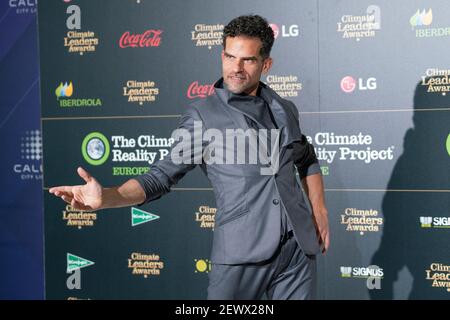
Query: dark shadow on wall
column 408, row 249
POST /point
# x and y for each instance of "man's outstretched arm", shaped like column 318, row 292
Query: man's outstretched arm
column 92, row 196
column 138, row 190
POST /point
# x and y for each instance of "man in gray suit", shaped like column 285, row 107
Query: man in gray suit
column 265, row 238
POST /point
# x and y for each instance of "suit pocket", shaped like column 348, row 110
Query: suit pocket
column 232, row 217
column 233, row 199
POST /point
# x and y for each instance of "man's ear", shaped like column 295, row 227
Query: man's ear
column 267, row 64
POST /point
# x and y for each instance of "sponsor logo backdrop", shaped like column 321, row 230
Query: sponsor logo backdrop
column 370, row 80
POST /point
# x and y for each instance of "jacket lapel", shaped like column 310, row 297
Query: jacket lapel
column 235, row 114
column 285, row 120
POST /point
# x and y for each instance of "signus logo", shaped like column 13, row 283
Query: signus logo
column 362, row 272
column 435, row 222
column 373, row 275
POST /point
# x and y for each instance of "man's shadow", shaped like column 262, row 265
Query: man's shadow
column 407, row 248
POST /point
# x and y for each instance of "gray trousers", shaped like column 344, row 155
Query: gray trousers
column 289, row 275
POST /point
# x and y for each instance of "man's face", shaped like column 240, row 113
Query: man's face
column 242, row 64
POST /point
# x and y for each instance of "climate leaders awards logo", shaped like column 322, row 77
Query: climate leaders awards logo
column 76, row 40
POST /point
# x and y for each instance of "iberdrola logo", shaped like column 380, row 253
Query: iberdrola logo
column 421, row 18
column 74, row 262
column 140, row 216
column 64, row 90
column 64, row 93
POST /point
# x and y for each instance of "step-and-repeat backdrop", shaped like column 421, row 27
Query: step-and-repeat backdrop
column 370, row 80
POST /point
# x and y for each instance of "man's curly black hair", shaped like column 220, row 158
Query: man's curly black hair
column 251, row 26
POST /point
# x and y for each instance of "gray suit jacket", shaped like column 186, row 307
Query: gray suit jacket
column 249, row 205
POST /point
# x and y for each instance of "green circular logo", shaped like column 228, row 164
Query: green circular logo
column 448, row 144
column 95, row 148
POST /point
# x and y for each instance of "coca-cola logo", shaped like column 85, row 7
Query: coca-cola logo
column 150, row 38
column 197, row 90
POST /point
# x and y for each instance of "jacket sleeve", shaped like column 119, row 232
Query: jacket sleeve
column 167, row 172
column 305, row 158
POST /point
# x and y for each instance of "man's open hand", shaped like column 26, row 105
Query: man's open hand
column 81, row 197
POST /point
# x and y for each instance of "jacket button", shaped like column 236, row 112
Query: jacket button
column 275, row 201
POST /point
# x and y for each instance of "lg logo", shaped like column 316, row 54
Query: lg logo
column 286, row 31
column 349, row 84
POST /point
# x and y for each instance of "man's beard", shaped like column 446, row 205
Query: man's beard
column 237, row 89
column 234, row 89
